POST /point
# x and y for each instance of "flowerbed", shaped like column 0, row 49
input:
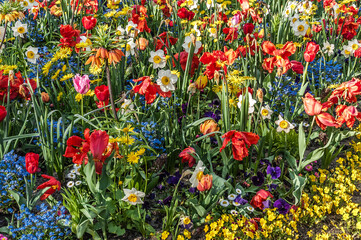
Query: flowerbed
column 180, row 119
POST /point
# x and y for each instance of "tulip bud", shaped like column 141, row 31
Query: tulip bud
column 45, row 97
column 205, row 183
column 209, row 126
column 216, row 76
column 260, row 95
column 142, row 43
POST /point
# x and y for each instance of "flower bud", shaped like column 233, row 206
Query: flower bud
column 209, row 126
column 260, row 95
column 45, row 97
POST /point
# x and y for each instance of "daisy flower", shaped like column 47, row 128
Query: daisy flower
column 158, row 59
column 70, row 184
column 166, row 80
column 77, row 183
column 250, row 208
column 238, row 191
column 71, row 175
column 283, row 125
column 224, row 203
column 231, row 197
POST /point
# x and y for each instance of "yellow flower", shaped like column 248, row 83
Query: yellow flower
column 128, row 129
column 78, row 97
column 180, row 237
column 133, row 158
column 165, row 235
column 140, row 152
column 56, row 75
column 127, row 140
column 67, row 77
column 60, row 95
column 187, row 234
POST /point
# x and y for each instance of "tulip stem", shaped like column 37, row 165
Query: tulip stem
column 310, row 130
column 110, row 89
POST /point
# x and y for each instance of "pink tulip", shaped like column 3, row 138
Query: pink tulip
column 81, row 83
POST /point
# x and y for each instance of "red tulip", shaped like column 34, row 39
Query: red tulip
column 89, row 22
column 297, row 67
column 187, row 157
column 102, row 93
column 280, row 56
column 347, row 114
column 32, row 162
column 52, row 183
column 248, row 28
column 241, row 141
column 311, row 51
column 78, row 148
column 3, row 113
column 259, row 198
column 205, row 183
column 98, row 145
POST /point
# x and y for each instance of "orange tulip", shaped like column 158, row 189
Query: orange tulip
column 45, row 97
column 280, row 56
column 142, row 43
column 205, row 183
column 209, row 126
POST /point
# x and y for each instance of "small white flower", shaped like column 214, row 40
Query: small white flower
column 192, row 4
column 251, row 102
column 197, row 174
column 73, row 171
column 76, row 166
column 300, row 28
column 71, row 175
column 158, row 59
column 77, row 183
column 166, row 80
column 294, row 19
column 32, row 54
column 328, row 48
column 239, row 191
column 224, row 203
column 131, row 29
column 2, row 32
column 188, row 43
column 20, row 29
column 347, row 51
column 236, row 204
column 196, row 30
column 209, row 3
column 133, row 196
column 127, row 106
column 266, row 112
column 306, row 124
column 231, row 197
column 234, row 212
column 250, row 208
column 129, row 48
column 283, row 125
column 70, row 184
column 287, row 13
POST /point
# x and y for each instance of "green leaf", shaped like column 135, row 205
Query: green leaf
column 115, row 229
column 291, row 160
column 201, row 211
column 299, row 183
column 80, row 229
column 198, row 122
column 301, row 141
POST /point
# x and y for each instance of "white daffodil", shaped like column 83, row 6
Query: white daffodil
column 166, row 80
column 26, row 4
column 224, row 203
column 127, row 106
column 300, row 28
column 346, row 51
column 251, row 102
column 328, row 48
column 287, row 13
column 32, row 54
column 294, row 19
column 131, row 29
column 266, row 112
column 133, row 196
column 196, row 30
column 20, row 29
column 197, row 174
column 283, row 125
column 158, row 59
column 129, row 48
column 121, row 32
column 212, row 32
column 192, row 4
column 209, row 4
column 188, row 43
column 354, row 45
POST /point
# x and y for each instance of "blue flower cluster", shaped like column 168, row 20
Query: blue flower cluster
column 326, row 72
column 150, row 133
column 42, row 223
column 12, row 173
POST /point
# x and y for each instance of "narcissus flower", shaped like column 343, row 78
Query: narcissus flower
column 158, row 59
column 197, row 174
column 133, row 196
column 188, row 43
column 283, row 125
column 166, row 80
column 32, row 54
column 241, row 141
column 52, row 183
column 266, row 112
column 20, row 29
column 187, row 157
